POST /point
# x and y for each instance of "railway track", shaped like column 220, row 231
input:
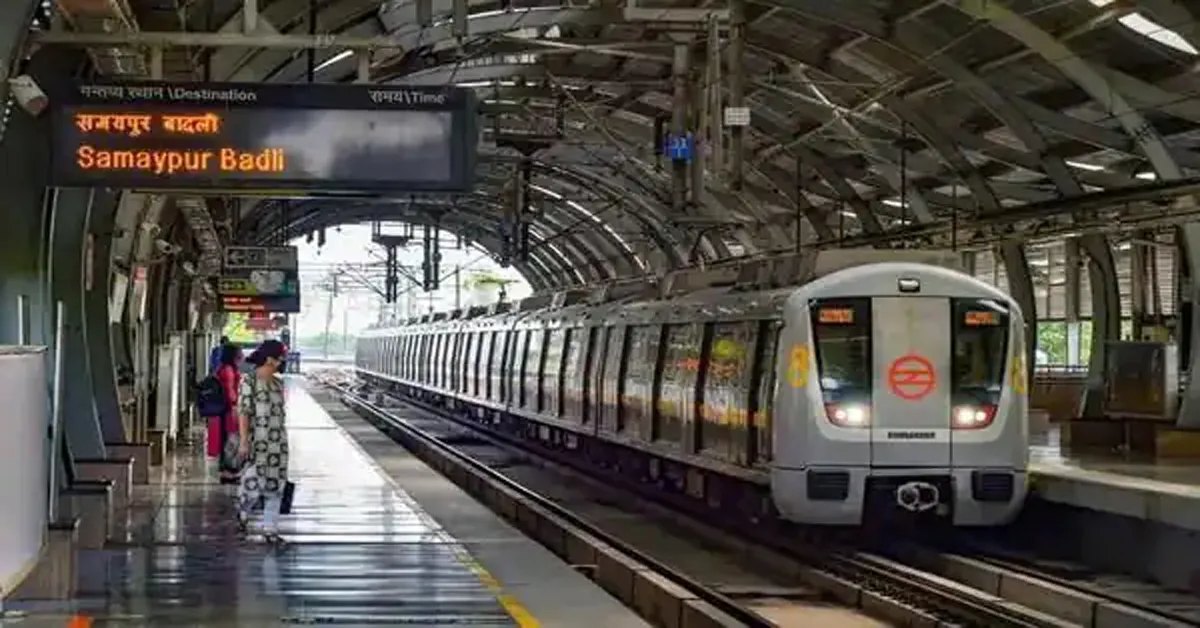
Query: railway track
column 1067, row 590
column 885, row 587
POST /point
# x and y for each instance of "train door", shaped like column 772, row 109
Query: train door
column 910, row 405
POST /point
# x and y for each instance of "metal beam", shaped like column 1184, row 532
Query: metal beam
column 218, row 40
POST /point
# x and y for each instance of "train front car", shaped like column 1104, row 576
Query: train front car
column 901, row 393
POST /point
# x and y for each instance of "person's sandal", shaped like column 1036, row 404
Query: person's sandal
column 243, row 524
column 273, row 539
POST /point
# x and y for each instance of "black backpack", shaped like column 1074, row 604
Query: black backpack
column 210, row 398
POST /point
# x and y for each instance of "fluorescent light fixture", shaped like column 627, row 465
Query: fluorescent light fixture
column 341, row 56
column 892, row 202
column 1146, row 176
column 1083, row 166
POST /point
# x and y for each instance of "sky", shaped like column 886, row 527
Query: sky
column 358, row 304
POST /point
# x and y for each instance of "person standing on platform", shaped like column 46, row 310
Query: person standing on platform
column 214, row 356
column 264, row 441
column 227, row 426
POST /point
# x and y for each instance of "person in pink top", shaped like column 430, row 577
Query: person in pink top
column 226, row 432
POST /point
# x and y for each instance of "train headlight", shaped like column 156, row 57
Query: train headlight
column 848, row 415
column 972, row 417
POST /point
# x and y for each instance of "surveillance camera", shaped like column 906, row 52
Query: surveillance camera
column 27, row 94
column 166, row 248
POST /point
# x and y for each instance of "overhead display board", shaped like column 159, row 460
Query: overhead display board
column 262, row 279
column 340, row 139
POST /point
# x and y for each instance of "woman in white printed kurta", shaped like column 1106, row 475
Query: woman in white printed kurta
column 264, row 442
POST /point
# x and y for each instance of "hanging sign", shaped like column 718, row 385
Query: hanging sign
column 911, row 377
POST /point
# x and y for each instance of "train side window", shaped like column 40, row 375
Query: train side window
column 500, row 364
column 464, row 366
column 516, row 367
column 443, row 357
column 533, row 370
column 478, row 385
column 400, row 366
column 572, row 387
column 598, row 345
column 567, row 377
column 400, row 363
column 842, row 331
column 479, row 367
column 447, row 365
column 427, row 359
column 611, row 387
column 414, row 356
column 460, row 352
column 419, row 351
column 551, row 369
column 725, row 404
column 760, row 441
column 435, row 362
column 496, row 364
column 637, row 398
column 676, row 394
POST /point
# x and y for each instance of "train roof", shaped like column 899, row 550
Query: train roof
column 752, row 291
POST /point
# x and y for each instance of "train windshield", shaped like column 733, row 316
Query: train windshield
column 980, row 347
column 842, row 334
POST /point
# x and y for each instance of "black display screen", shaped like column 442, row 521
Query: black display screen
column 397, row 140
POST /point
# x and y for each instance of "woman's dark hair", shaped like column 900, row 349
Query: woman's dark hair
column 268, row 349
column 230, row 353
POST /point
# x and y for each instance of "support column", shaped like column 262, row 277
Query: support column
column 1188, row 237
column 1072, row 293
column 1020, row 287
column 71, row 211
column 679, row 122
column 1138, row 284
column 737, row 88
column 1106, row 317
column 96, row 327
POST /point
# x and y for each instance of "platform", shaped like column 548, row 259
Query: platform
column 363, row 551
column 1160, row 492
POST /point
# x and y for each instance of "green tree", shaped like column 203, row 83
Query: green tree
column 479, row 279
column 235, row 328
column 1052, row 340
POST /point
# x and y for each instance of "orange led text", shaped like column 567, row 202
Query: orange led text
column 204, row 124
column 132, row 125
column 169, row 162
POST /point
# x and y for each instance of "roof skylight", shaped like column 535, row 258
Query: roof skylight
column 1146, row 27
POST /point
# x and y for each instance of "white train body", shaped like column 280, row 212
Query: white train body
column 894, row 385
column 903, row 382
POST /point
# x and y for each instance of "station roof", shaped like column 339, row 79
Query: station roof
column 992, row 115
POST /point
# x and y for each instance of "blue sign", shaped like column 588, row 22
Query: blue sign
column 680, row 147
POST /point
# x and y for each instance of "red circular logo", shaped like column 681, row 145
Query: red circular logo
column 911, row 377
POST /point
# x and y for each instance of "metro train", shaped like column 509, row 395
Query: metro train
column 891, row 387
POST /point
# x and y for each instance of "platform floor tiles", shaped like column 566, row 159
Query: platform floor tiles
column 363, row 552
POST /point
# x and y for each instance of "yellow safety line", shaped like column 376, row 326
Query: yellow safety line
column 508, row 602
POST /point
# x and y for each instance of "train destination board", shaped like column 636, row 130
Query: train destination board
column 334, row 138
